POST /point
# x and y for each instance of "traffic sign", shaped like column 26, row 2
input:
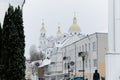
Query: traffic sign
column 37, row 64
column 81, row 70
column 72, row 63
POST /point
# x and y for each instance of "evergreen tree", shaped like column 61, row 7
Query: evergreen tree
column 18, row 21
column 0, row 43
column 6, row 33
column 13, row 48
column 8, row 28
column 1, row 65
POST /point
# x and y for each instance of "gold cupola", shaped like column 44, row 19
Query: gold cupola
column 59, row 31
column 74, row 28
column 42, row 30
column 43, row 27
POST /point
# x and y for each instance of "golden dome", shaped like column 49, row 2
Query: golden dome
column 74, row 26
column 59, row 31
column 43, row 28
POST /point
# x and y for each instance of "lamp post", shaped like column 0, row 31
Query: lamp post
column 82, row 54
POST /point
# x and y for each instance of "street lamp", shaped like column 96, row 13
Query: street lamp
column 83, row 55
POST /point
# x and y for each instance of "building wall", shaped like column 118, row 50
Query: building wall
column 113, row 55
column 102, row 50
column 41, row 72
column 86, row 45
column 95, row 57
column 95, row 45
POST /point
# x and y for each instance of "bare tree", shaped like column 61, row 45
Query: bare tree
column 35, row 55
column 41, row 56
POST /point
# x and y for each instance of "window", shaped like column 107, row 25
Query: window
column 58, row 42
column 41, row 34
column 78, row 49
column 94, row 46
column 85, row 47
column 80, row 64
column 57, row 48
column 95, row 62
column 66, row 65
column 82, row 47
column 64, row 35
column 86, row 63
column 51, row 51
column 75, row 33
column 89, row 46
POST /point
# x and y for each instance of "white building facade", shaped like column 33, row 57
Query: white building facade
column 95, row 45
column 64, row 49
column 113, row 55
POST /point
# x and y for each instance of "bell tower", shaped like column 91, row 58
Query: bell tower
column 42, row 30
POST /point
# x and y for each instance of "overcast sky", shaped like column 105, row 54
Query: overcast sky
column 92, row 16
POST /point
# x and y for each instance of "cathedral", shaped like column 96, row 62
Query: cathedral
column 63, row 50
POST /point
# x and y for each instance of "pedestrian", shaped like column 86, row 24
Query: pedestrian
column 96, row 75
column 86, row 79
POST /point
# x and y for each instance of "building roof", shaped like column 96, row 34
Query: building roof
column 71, row 40
column 45, row 62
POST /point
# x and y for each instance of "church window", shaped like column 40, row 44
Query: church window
column 94, row 46
column 58, row 42
column 86, row 63
column 64, row 35
column 85, row 47
column 95, row 62
column 89, row 46
column 75, row 33
column 82, row 47
column 57, row 48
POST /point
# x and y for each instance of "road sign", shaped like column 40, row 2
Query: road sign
column 81, row 70
column 37, row 64
column 72, row 63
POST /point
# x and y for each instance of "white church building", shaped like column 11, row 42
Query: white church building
column 64, row 48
